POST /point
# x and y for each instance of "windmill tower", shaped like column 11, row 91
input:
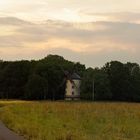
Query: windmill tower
column 73, row 82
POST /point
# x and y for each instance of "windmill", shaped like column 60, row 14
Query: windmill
column 73, row 82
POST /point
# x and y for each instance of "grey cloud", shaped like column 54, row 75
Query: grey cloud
column 98, row 59
column 127, row 33
column 117, row 16
column 112, row 30
column 93, row 34
column 10, row 41
column 13, row 21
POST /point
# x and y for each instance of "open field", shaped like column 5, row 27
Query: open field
column 72, row 120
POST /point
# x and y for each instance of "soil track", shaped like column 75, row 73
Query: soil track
column 6, row 134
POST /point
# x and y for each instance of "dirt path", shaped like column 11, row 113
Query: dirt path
column 6, row 134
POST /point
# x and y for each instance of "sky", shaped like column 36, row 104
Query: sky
column 92, row 32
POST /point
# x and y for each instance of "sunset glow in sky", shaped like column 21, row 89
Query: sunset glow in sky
column 90, row 31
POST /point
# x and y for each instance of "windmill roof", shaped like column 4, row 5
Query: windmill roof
column 75, row 76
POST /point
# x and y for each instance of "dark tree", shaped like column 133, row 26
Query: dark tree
column 44, row 79
column 36, row 88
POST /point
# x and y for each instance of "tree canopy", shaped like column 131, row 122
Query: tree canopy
column 44, row 79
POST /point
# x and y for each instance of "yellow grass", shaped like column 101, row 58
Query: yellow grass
column 72, row 120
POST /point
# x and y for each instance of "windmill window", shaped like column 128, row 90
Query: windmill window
column 72, row 93
column 72, row 86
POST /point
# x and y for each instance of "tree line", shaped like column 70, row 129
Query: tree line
column 44, row 80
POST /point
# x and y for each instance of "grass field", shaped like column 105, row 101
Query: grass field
column 72, row 120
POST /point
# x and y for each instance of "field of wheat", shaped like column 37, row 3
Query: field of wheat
column 72, row 120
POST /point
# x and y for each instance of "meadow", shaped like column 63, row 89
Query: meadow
column 72, row 120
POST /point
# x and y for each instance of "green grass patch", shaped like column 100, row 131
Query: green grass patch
column 73, row 120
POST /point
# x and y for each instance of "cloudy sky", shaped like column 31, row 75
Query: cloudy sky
column 90, row 31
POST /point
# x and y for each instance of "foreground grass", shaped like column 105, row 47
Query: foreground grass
column 72, row 121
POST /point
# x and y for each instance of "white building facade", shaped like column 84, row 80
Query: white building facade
column 73, row 87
